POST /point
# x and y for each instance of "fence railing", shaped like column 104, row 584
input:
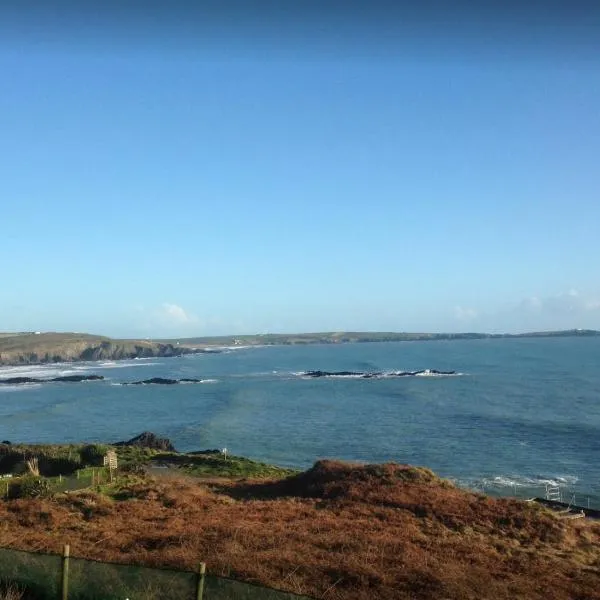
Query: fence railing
column 56, row 577
column 79, row 480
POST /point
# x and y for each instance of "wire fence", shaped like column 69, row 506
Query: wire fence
column 80, row 480
column 55, row 577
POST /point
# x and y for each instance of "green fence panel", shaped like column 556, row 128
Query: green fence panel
column 94, row 580
column 90, row 580
column 40, row 573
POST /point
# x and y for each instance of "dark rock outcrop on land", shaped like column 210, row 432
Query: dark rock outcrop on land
column 147, row 439
column 376, row 374
column 63, row 379
column 162, row 381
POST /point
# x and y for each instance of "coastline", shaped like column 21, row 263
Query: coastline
column 20, row 349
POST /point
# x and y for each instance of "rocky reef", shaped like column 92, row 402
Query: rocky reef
column 163, row 381
column 377, row 374
column 63, row 379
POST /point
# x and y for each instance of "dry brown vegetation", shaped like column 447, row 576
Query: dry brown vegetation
column 336, row 531
column 11, row 592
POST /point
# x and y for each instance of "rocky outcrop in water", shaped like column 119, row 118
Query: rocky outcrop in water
column 162, row 381
column 376, row 374
column 64, row 379
column 147, row 439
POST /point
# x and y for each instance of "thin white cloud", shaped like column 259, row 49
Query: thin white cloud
column 177, row 314
column 465, row 313
column 592, row 305
column 567, row 310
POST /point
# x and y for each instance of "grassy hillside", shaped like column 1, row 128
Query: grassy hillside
column 337, row 531
column 31, row 348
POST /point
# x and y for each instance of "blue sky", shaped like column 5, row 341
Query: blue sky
column 163, row 186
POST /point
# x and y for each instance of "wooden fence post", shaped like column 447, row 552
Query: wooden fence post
column 200, row 581
column 64, row 591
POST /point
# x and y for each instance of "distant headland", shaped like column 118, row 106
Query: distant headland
column 28, row 348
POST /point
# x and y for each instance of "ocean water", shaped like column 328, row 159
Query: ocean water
column 522, row 413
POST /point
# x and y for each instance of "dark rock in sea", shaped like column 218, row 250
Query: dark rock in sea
column 162, row 381
column 6, row 443
column 18, row 380
column 149, row 440
column 63, row 379
column 334, row 374
column 376, row 374
column 154, row 381
column 77, row 378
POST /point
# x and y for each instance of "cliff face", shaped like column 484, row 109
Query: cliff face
column 65, row 347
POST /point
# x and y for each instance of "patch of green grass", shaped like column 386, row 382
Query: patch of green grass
column 134, row 455
column 217, row 465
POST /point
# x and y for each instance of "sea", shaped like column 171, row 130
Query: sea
column 518, row 417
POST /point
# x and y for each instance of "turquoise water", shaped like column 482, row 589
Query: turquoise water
column 523, row 414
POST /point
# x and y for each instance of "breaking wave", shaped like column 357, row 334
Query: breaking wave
column 19, row 387
column 519, row 482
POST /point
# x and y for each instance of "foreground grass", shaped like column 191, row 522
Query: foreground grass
column 336, row 531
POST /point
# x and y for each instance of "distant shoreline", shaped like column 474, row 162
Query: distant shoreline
column 350, row 337
column 36, row 348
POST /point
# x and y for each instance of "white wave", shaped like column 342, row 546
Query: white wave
column 47, row 371
column 522, row 481
column 41, row 371
column 19, row 387
column 429, row 373
column 123, row 364
column 568, row 479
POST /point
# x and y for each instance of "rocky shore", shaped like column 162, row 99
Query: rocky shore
column 32, row 349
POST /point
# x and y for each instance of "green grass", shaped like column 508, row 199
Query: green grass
column 217, row 465
column 134, row 460
column 134, row 455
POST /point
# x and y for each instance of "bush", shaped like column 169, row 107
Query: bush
column 134, row 468
column 51, row 467
column 93, row 454
column 31, row 487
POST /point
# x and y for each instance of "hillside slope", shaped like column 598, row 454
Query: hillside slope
column 338, row 531
column 69, row 347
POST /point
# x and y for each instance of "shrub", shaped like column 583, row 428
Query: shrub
column 31, row 487
column 51, row 467
column 93, row 454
